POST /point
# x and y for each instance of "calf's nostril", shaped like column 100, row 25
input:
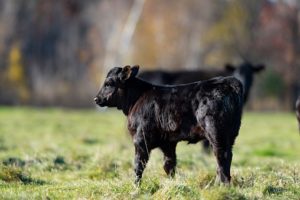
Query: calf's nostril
column 96, row 99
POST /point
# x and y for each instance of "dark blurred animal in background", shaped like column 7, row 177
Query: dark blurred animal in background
column 244, row 72
column 162, row 116
column 298, row 111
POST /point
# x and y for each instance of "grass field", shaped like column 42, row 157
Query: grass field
column 66, row 154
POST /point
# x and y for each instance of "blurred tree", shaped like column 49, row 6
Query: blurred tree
column 279, row 42
column 107, row 19
column 117, row 50
column 66, row 46
column 53, row 35
column 169, row 34
column 272, row 84
column 231, row 37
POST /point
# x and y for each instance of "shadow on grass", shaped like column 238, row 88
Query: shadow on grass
column 90, row 141
column 59, row 163
column 14, row 174
column 269, row 190
column 14, row 162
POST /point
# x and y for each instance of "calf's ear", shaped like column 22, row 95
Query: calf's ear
column 258, row 68
column 128, row 72
column 229, row 67
column 134, row 70
column 125, row 73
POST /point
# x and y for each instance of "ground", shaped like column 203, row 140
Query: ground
column 88, row 154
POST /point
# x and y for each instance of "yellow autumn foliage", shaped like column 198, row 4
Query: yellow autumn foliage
column 16, row 74
column 227, row 33
column 15, row 69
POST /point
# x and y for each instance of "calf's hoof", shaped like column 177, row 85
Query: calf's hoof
column 222, row 181
column 137, row 182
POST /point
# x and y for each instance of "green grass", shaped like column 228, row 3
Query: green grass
column 67, row 154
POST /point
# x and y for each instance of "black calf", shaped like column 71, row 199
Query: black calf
column 162, row 116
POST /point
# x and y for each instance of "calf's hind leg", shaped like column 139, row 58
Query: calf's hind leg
column 169, row 150
column 222, row 148
column 224, row 158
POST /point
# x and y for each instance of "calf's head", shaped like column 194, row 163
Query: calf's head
column 114, row 84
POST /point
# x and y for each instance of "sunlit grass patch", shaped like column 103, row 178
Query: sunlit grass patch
column 222, row 193
column 105, row 171
column 3, row 146
column 85, row 154
column 269, row 152
column 203, row 179
column 176, row 188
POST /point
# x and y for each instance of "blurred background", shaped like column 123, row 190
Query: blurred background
column 56, row 52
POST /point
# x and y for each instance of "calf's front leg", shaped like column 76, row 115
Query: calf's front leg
column 169, row 150
column 142, row 153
